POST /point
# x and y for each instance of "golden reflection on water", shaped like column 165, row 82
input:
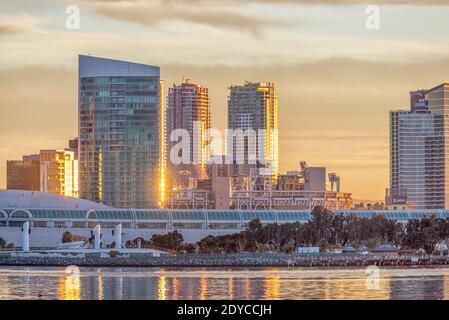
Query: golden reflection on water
column 203, row 288
column 70, row 285
column 336, row 286
column 247, row 288
column 100, row 286
column 230, row 289
column 272, row 285
column 355, row 289
column 445, row 287
column 162, row 289
column 175, row 282
column 167, row 284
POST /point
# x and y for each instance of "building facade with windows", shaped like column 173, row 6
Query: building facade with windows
column 119, row 132
column 50, row 216
column 419, row 151
column 59, row 172
column 23, row 174
column 188, row 108
column 253, row 112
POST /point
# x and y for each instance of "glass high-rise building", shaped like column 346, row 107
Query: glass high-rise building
column 119, row 132
column 419, row 151
column 253, row 106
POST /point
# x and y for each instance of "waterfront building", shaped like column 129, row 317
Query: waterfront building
column 438, row 148
column 23, row 174
column 59, row 172
column 292, row 180
column 119, row 108
column 253, row 106
column 419, row 151
column 50, row 216
column 297, row 190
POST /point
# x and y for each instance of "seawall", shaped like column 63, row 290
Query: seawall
column 228, row 260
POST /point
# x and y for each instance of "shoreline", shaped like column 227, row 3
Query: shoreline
column 220, row 260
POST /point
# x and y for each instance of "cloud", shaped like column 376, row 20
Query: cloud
column 7, row 29
column 11, row 25
column 154, row 12
column 297, row 2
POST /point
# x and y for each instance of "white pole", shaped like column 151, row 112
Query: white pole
column 97, row 232
column 26, row 236
column 118, row 236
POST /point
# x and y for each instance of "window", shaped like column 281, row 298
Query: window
column 39, row 224
column 16, row 223
column 149, row 225
column 223, row 226
column 181, row 225
column 78, row 224
column 59, row 224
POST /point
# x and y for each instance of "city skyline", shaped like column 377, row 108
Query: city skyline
column 365, row 82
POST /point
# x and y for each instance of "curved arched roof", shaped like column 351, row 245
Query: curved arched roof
column 35, row 199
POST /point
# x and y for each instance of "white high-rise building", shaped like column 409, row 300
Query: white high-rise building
column 419, row 151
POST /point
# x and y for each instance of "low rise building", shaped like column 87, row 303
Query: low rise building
column 23, row 174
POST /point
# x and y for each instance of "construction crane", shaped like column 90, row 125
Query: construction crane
column 304, row 170
column 334, row 179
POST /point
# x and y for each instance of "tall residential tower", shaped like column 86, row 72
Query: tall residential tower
column 419, row 151
column 253, row 107
column 119, row 132
column 188, row 108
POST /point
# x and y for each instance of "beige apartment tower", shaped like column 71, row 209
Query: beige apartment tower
column 253, row 111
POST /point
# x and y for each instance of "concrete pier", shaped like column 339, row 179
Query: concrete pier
column 97, row 235
column 26, row 236
column 118, row 236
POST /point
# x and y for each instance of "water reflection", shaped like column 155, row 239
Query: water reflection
column 271, row 285
column 70, row 284
column 74, row 283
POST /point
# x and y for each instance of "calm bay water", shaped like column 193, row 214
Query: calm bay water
column 221, row 283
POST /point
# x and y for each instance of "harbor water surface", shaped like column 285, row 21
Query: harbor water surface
column 222, row 283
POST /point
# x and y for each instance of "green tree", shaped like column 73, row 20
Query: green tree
column 323, row 244
column 2, row 243
column 68, row 237
column 172, row 240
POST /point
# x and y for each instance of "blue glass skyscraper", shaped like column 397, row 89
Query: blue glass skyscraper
column 119, row 132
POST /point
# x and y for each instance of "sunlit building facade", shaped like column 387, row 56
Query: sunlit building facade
column 253, row 106
column 119, row 132
column 59, row 172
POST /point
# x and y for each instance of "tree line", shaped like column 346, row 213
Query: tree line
column 324, row 230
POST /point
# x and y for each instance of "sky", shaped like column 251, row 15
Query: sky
column 336, row 79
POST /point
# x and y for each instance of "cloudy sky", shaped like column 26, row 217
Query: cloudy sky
column 336, row 78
